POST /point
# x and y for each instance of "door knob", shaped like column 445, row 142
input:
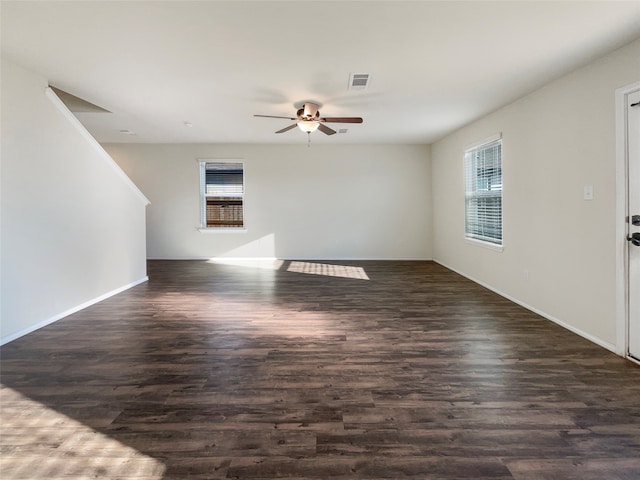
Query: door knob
column 635, row 238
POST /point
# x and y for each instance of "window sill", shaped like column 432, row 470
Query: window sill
column 487, row 245
column 222, row 230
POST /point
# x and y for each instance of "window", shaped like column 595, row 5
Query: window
column 222, row 194
column 483, row 191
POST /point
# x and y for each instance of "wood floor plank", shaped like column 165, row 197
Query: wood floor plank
column 374, row 370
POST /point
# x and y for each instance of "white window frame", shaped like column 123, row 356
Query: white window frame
column 486, row 241
column 202, row 163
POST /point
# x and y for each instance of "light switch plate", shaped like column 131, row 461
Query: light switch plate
column 588, row 192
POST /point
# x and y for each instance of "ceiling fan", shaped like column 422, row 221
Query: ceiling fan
column 308, row 120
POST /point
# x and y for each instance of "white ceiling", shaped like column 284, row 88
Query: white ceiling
column 435, row 66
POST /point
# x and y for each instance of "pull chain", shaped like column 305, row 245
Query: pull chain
column 309, row 139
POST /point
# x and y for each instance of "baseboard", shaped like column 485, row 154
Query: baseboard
column 66, row 313
column 557, row 321
column 300, row 259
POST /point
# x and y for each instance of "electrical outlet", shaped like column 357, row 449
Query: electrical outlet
column 588, row 192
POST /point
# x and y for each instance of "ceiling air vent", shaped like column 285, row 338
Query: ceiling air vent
column 359, row 81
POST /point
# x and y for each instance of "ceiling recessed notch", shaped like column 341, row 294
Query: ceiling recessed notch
column 77, row 104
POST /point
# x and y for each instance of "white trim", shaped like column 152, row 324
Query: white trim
column 221, row 159
column 241, row 160
column 622, row 323
column 222, row 230
column 59, row 104
column 202, row 162
column 481, row 243
column 66, row 313
column 492, row 138
column 309, row 259
column 545, row 315
column 498, row 247
column 355, row 259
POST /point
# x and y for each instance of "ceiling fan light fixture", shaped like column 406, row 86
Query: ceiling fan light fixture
column 308, row 126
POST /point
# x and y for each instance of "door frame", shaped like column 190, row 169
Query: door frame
column 622, row 183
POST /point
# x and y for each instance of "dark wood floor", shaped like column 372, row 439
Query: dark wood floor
column 314, row 372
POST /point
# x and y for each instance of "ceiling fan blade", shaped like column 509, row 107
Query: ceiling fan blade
column 341, row 119
column 274, row 116
column 286, row 129
column 325, row 129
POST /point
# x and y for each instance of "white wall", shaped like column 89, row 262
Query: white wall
column 322, row 202
column 555, row 141
column 73, row 227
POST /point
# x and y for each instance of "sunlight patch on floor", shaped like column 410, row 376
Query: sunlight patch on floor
column 328, row 270
column 47, row 444
column 311, row 268
column 264, row 263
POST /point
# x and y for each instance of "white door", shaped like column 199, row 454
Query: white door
column 633, row 142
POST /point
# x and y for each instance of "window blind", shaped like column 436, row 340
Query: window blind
column 224, row 179
column 222, row 189
column 483, row 192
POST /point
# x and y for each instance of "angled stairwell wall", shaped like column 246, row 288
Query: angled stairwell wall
column 73, row 224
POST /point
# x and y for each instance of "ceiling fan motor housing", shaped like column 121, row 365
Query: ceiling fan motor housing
column 309, row 111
